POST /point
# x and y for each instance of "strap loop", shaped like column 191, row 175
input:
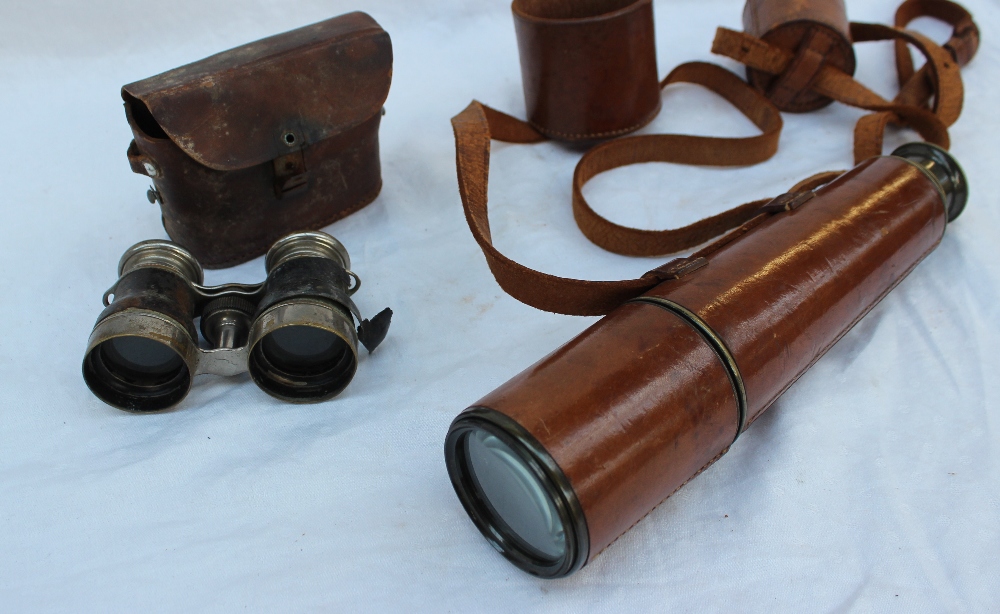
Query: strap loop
column 962, row 45
column 677, row 268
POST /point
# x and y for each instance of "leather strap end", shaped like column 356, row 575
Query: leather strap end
column 750, row 51
column 964, row 42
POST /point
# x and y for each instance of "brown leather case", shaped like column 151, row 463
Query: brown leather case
column 815, row 31
column 588, row 66
column 658, row 389
column 272, row 137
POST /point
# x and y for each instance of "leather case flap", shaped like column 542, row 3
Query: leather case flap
column 262, row 100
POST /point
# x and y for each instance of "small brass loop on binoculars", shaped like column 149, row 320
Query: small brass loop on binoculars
column 357, row 282
column 717, row 345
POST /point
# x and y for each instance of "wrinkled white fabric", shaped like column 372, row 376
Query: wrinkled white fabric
column 871, row 485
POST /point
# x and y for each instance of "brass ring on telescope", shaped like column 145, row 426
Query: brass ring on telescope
column 716, row 343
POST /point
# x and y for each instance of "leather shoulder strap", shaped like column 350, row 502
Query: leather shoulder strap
column 478, row 124
column 680, row 149
column 474, row 127
column 929, row 101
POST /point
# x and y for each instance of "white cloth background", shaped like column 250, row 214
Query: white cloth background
column 872, row 485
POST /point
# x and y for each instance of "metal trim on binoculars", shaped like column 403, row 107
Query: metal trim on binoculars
column 294, row 332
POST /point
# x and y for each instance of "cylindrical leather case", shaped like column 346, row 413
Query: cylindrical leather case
column 815, row 31
column 588, row 66
column 657, row 390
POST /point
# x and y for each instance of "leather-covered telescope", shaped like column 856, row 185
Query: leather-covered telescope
column 557, row 463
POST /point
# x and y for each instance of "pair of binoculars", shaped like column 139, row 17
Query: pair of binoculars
column 294, row 333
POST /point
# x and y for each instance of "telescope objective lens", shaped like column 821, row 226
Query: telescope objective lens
column 516, row 494
column 518, row 501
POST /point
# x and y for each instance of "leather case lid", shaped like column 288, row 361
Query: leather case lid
column 254, row 103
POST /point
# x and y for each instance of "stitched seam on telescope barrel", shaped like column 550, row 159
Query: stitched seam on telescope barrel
column 717, row 345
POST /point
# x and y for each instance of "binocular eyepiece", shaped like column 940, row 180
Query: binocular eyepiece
column 294, row 332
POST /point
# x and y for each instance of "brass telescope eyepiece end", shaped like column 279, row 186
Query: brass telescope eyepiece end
column 943, row 169
column 516, row 494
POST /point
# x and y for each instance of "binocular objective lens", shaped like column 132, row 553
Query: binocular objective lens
column 304, row 350
column 303, row 362
column 139, row 358
column 520, row 506
column 136, row 373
